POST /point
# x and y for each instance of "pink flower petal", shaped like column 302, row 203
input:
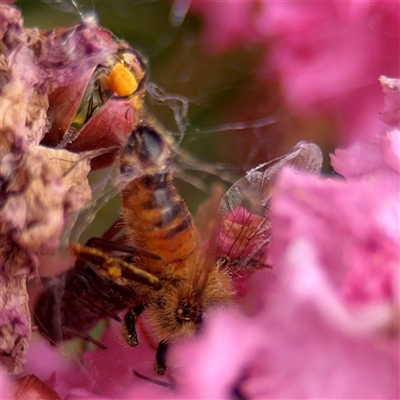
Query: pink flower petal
column 66, row 375
column 379, row 155
column 314, row 347
column 363, row 265
column 120, row 379
column 211, row 366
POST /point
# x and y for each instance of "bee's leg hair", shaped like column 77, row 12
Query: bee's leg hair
column 129, row 271
column 115, row 267
column 130, row 333
column 114, row 248
column 161, row 358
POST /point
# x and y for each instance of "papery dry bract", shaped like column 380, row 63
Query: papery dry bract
column 8, row 386
column 32, row 388
column 45, row 188
column 40, row 187
column 391, row 89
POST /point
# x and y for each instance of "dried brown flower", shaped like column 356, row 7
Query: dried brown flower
column 40, row 187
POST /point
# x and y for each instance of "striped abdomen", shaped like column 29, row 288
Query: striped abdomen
column 159, row 221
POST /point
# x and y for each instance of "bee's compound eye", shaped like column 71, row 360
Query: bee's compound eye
column 133, row 140
column 152, row 143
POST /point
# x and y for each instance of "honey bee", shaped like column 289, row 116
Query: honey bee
column 100, row 107
column 162, row 271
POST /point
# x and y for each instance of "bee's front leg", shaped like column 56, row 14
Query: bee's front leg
column 161, row 358
column 130, row 319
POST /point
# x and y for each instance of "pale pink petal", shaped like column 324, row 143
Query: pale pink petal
column 213, row 365
column 362, row 266
column 112, row 369
column 315, row 347
column 328, row 57
column 379, row 155
column 65, row 374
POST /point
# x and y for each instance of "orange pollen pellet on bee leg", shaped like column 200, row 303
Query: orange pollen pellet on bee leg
column 122, row 81
column 111, row 269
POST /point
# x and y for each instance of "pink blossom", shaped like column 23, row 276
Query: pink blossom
column 214, row 365
column 328, row 325
column 322, row 323
column 228, row 25
column 327, row 56
column 65, row 374
column 324, row 50
column 120, row 380
column 363, row 267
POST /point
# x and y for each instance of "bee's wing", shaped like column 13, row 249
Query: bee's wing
column 245, row 228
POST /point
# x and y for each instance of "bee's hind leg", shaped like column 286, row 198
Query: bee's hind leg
column 130, row 319
column 161, row 358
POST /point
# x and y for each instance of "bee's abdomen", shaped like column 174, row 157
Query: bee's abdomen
column 158, row 218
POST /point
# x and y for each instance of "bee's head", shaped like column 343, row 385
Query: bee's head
column 171, row 315
column 179, row 307
column 145, row 153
